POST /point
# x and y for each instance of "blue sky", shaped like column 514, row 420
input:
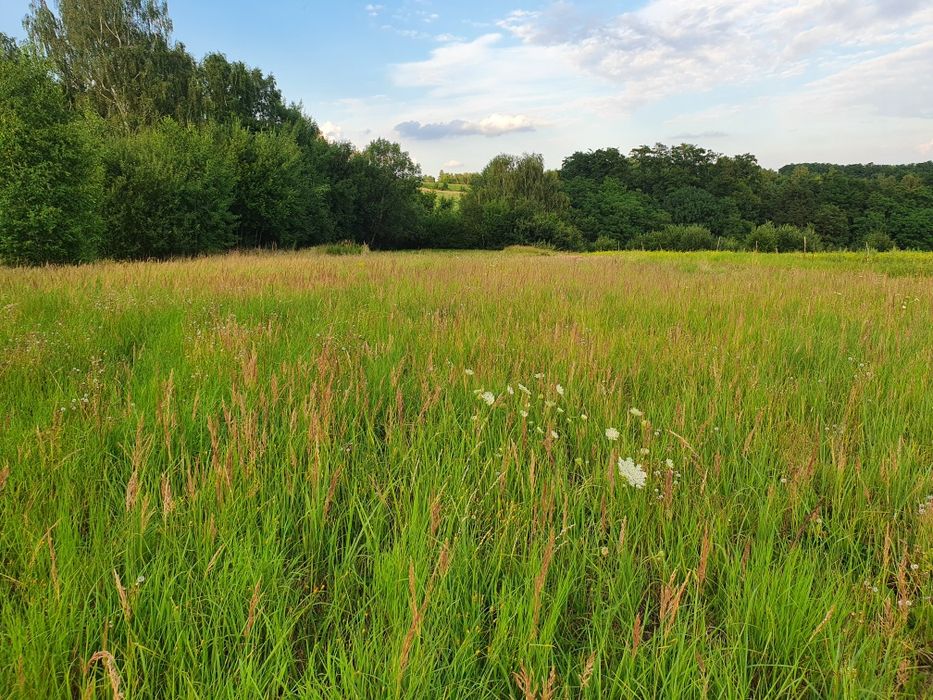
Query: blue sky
column 458, row 82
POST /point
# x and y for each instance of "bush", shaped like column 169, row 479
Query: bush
column 785, row 238
column 273, row 197
column 879, row 241
column 50, row 177
column 548, row 228
column 605, row 243
column 443, row 226
column 676, row 237
column 170, row 192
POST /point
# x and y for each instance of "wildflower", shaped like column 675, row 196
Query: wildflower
column 604, row 551
column 140, row 580
column 644, row 451
column 612, row 434
column 669, row 462
column 583, row 416
column 488, row 397
column 510, row 390
column 554, row 434
column 468, row 372
column 635, row 412
column 524, row 389
column 539, row 375
column 549, row 404
column 560, row 390
column 524, row 414
column 632, row 472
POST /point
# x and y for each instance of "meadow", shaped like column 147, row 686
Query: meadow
column 477, row 475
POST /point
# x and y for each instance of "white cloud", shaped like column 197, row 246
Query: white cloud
column 452, row 165
column 374, row 10
column 331, row 131
column 493, row 125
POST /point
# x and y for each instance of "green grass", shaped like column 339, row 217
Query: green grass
column 276, row 475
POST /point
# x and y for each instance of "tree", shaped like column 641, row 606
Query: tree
column 50, row 178
column 234, row 92
column 388, row 201
column 116, row 55
column 509, row 199
column 170, row 191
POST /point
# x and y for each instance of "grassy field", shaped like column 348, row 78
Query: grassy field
column 468, row 475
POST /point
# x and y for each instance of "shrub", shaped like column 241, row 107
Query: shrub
column 785, row 238
column 550, row 229
column 605, row 243
column 170, row 191
column 879, row 241
column 50, row 177
column 676, row 237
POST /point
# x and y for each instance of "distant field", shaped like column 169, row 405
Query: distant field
column 468, row 475
column 450, row 194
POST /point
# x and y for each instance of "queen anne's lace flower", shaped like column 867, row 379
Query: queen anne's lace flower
column 633, row 473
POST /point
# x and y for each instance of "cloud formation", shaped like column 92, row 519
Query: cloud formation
column 493, row 125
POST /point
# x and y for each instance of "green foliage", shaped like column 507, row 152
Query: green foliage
column 607, row 209
column 387, row 189
column 676, row 237
column 879, row 241
column 276, row 203
column 116, row 56
column 50, row 177
column 170, row 192
column 783, row 238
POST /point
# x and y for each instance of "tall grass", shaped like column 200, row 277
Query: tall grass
column 316, row 476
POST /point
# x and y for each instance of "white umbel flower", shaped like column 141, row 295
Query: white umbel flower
column 612, row 434
column 488, row 397
column 633, row 473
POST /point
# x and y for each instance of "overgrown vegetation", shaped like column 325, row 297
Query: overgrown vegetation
column 104, row 116
column 401, row 475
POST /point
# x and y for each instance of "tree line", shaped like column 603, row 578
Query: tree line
column 116, row 143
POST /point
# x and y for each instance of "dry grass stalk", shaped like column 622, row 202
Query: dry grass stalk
column 53, row 562
column 670, row 601
column 168, row 503
column 587, row 674
column 826, row 619
column 418, row 610
column 124, row 598
column 111, row 665
column 706, row 544
column 132, row 490
column 332, row 489
column 529, row 688
column 637, row 631
column 4, row 475
column 540, row 580
column 253, row 607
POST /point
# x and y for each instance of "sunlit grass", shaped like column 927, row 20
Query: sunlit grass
column 356, row 476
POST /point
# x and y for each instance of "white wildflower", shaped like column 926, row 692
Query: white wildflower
column 560, row 390
column 468, row 372
column 635, row 412
column 524, row 389
column 488, row 397
column 633, row 473
column 644, row 451
column 669, row 462
column 539, row 375
column 612, row 434
column 510, row 390
column 554, row 434
column 524, row 414
column 583, row 416
column 550, row 404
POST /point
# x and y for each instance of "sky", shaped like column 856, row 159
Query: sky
column 457, row 83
